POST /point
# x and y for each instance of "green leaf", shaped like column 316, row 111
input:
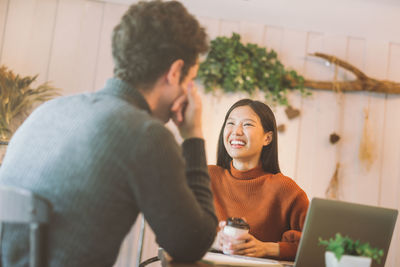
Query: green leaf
column 344, row 245
column 234, row 67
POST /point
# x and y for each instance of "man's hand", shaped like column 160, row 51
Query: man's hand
column 186, row 113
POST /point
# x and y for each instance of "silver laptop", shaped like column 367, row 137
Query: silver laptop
column 325, row 218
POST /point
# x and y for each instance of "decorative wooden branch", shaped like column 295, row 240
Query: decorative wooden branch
column 362, row 83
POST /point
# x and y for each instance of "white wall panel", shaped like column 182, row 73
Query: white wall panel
column 320, row 118
column 336, row 45
column 3, row 21
column 105, row 64
column 28, row 37
column 376, row 62
column 212, row 26
column 273, row 38
column 212, row 124
column 17, row 32
column 354, row 104
column 293, row 57
column 252, row 33
column 75, row 45
column 228, row 27
column 368, row 19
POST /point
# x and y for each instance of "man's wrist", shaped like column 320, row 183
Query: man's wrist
column 194, row 153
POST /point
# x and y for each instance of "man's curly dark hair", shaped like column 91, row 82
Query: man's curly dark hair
column 150, row 37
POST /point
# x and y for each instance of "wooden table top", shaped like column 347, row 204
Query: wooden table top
column 166, row 262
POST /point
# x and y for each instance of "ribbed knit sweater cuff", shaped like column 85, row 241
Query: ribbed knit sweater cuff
column 197, row 173
column 287, row 251
column 194, row 153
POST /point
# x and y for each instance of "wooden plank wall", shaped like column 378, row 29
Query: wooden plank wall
column 68, row 42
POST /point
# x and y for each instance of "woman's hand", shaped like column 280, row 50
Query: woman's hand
column 218, row 240
column 251, row 247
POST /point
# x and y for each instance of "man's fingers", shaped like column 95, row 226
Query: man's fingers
column 187, row 114
column 192, row 89
column 178, row 108
column 193, row 97
column 178, row 103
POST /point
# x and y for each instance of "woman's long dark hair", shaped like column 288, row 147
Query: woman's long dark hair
column 269, row 153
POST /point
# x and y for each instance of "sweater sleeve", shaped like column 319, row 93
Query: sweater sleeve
column 172, row 188
column 291, row 238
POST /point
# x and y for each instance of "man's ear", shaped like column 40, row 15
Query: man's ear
column 268, row 138
column 174, row 72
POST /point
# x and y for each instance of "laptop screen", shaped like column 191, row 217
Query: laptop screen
column 325, row 218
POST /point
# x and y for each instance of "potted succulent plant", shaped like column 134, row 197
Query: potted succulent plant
column 342, row 251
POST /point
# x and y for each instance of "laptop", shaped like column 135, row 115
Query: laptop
column 325, row 218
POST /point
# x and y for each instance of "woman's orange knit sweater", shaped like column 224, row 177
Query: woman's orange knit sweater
column 274, row 205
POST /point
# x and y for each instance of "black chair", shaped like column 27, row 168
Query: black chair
column 22, row 206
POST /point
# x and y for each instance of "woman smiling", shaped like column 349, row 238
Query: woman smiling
column 247, row 183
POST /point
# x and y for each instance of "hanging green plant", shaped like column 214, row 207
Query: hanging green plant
column 17, row 97
column 234, row 67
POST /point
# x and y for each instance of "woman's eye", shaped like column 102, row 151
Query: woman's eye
column 229, row 123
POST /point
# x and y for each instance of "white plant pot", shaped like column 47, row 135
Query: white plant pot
column 346, row 261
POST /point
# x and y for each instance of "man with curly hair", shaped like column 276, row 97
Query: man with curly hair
column 103, row 157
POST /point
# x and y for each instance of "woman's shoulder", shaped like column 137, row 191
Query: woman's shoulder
column 283, row 177
column 287, row 182
column 290, row 191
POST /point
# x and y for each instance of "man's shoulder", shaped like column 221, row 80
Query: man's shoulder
column 153, row 129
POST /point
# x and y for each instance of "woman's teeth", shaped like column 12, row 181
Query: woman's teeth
column 237, row 142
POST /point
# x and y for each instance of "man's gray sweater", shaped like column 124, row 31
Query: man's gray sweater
column 100, row 159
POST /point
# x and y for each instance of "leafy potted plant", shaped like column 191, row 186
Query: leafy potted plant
column 17, row 98
column 344, row 252
column 236, row 67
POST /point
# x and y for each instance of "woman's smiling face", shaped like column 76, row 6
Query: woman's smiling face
column 244, row 136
